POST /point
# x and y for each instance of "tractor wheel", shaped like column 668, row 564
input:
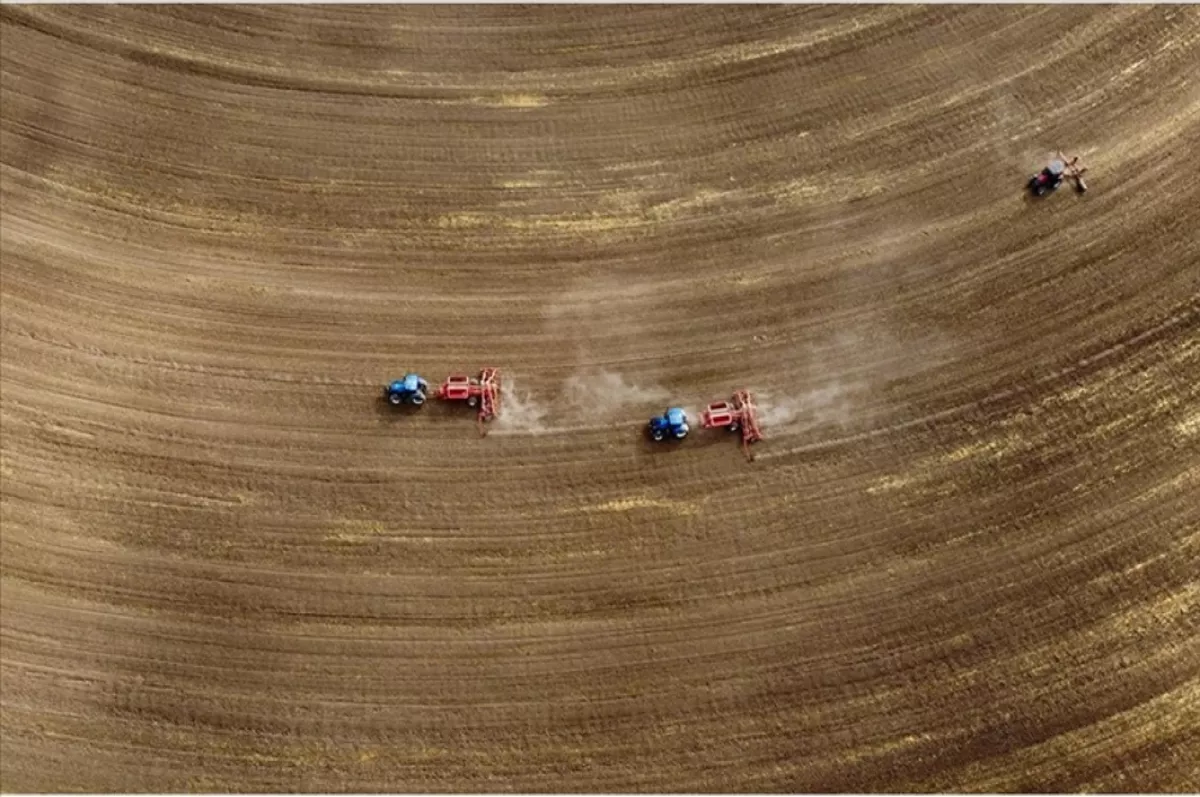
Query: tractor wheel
column 733, row 427
column 395, row 399
column 472, row 401
column 417, row 399
column 657, row 435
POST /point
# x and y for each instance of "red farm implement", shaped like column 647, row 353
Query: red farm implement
column 481, row 391
column 739, row 414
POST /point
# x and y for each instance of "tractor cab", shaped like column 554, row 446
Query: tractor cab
column 671, row 424
column 1052, row 176
column 409, row 390
column 411, row 383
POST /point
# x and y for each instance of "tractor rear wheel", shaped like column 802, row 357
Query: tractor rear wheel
column 395, row 399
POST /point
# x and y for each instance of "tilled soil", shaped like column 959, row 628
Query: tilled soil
column 964, row 558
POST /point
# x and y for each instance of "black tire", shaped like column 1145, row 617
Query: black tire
column 472, row 401
column 733, row 427
column 417, row 399
column 657, row 435
column 395, row 399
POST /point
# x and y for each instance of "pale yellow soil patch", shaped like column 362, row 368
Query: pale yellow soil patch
column 631, row 504
column 522, row 100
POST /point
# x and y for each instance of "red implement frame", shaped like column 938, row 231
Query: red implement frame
column 742, row 411
column 489, row 397
column 485, row 389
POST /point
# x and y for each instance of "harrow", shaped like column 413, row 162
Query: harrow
column 481, row 391
column 737, row 414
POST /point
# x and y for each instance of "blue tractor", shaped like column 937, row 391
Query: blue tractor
column 412, row 389
column 671, row 424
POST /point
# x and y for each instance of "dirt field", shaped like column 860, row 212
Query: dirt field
column 965, row 557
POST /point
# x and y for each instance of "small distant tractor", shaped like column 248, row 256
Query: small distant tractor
column 671, row 424
column 1051, row 177
column 412, row 390
column 481, row 391
column 738, row 414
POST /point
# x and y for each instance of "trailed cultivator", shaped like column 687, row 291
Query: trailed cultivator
column 481, row 391
column 738, row 414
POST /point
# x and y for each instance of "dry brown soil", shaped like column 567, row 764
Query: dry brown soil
column 965, row 557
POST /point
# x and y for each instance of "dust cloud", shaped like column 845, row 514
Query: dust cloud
column 521, row 412
column 603, row 393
